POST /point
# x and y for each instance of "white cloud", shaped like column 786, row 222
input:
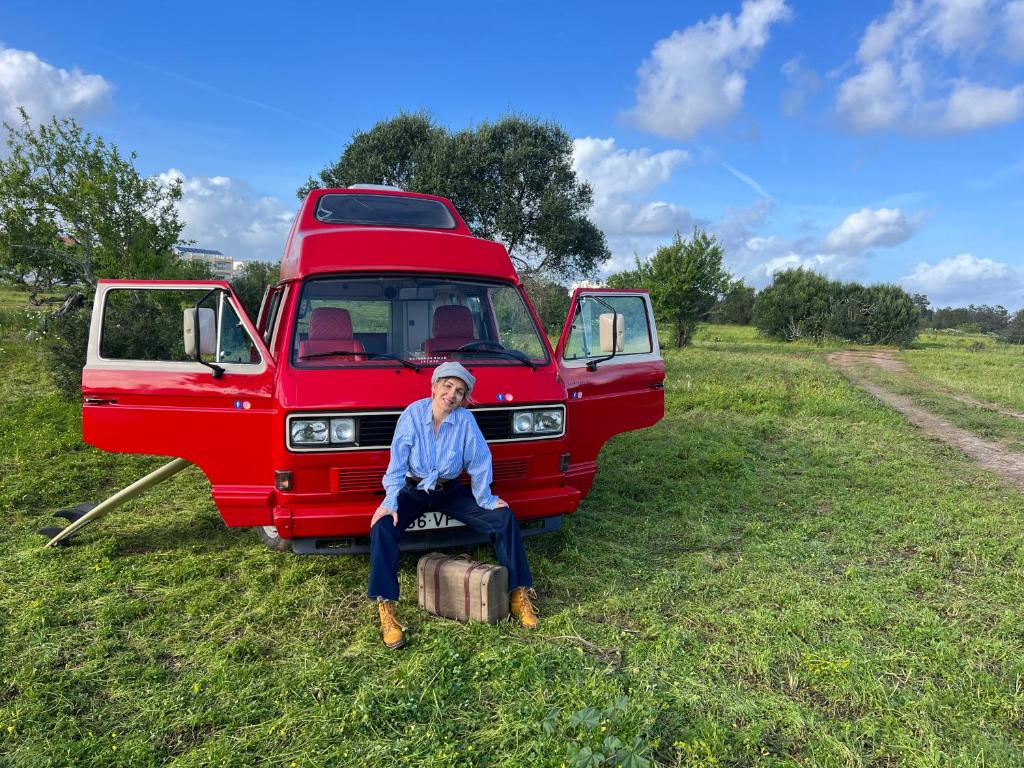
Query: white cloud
column 611, row 170
column 867, row 228
column 620, row 179
column 225, row 214
column 695, row 77
column 966, row 279
column 45, row 91
column 904, row 57
column 838, row 267
column 972, row 106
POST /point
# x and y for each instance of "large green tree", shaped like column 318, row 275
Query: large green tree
column 511, row 180
column 685, row 280
column 550, row 299
column 74, row 209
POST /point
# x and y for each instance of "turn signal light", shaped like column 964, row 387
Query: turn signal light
column 283, row 479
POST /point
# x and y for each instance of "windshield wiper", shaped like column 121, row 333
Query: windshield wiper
column 515, row 354
column 374, row 355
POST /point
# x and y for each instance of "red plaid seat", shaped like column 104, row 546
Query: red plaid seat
column 453, row 327
column 330, row 330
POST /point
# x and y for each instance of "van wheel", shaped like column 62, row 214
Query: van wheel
column 272, row 539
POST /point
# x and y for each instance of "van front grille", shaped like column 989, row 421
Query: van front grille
column 375, row 430
column 359, row 480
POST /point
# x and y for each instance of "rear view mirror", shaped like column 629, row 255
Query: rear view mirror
column 207, row 331
column 607, row 321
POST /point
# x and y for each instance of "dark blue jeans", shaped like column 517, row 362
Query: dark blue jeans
column 458, row 502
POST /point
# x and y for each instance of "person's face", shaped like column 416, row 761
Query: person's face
column 448, row 393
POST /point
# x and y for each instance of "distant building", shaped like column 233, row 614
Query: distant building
column 222, row 266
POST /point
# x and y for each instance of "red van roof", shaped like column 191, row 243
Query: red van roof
column 318, row 245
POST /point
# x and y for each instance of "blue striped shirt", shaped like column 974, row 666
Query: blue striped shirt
column 416, row 450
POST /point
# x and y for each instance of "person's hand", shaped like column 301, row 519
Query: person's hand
column 499, row 503
column 383, row 511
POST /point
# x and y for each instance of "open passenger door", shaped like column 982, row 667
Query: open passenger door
column 615, row 378
column 145, row 392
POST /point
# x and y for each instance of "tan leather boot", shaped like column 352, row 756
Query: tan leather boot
column 522, row 608
column 390, row 629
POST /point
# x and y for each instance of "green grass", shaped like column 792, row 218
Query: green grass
column 975, row 417
column 974, row 364
column 781, row 572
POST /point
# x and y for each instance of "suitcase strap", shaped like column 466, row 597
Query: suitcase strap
column 465, row 582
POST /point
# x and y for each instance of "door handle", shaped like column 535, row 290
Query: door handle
column 100, row 401
column 656, row 385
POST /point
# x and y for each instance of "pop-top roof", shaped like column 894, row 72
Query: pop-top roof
column 376, row 230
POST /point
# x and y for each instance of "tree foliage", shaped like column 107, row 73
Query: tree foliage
column 1013, row 333
column 550, row 299
column 685, row 280
column 975, row 317
column 511, row 180
column 73, row 210
column 803, row 304
column 736, row 307
column 252, row 282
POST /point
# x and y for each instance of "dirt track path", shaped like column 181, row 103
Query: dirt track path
column 992, row 456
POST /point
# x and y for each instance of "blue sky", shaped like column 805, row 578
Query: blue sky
column 878, row 141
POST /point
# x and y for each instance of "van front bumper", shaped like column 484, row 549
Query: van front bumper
column 298, row 518
column 441, row 538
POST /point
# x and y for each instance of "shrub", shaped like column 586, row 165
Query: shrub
column 63, row 340
column 798, row 304
column 803, row 304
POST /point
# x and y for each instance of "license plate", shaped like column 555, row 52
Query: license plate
column 431, row 520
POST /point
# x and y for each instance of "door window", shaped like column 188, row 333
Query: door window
column 147, row 324
column 597, row 318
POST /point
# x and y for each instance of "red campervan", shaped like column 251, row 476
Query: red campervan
column 291, row 418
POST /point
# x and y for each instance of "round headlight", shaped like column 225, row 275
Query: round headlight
column 523, row 422
column 305, row 431
column 343, row 430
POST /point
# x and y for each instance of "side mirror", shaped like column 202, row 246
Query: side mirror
column 608, row 321
column 204, row 321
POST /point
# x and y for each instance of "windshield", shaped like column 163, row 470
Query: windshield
column 395, row 320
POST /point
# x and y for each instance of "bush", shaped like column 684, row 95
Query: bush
column 803, row 304
column 798, row 304
column 64, row 340
column 891, row 316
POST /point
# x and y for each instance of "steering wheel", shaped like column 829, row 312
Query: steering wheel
column 481, row 345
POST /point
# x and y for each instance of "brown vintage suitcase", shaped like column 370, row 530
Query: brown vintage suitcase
column 459, row 588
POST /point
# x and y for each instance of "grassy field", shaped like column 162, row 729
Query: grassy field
column 781, row 572
column 972, row 363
